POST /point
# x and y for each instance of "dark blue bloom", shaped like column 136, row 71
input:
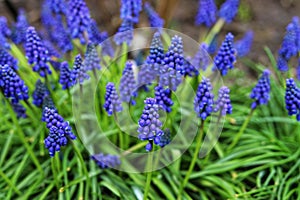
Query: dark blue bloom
column 106, row 161
column 4, row 30
column 47, row 16
column 164, row 139
column 12, row 85
column 47, row 103
column 52, row 51
column 36, row 53
column 130, row 10
column 145, row 77
column 125, row 33
column 59, row 129
column 225, row 58
column 61, row 36
column 206, row 13
column 149, row 123
column 174, row 56
column 213, row 46
column 112, row 101
column 19, row 110
column 290, row 44
column 106, row 45
column 95, row 36
column 91, row 58
column 169, row 77
column 79, row 70
column 204, row 99
column 228, row 10
column 156, row 56
column 154, row 19
column 7, row 59
column 4, row 43
column 39, row 93
column 189, row 68
column 128, row 84
column 163, row 98
column 223, row 103
column 201, row 59
column 58, row 7
column 18, row 35
column 292, row 98
column 261, row 92
column 243, row 46
column 78, row 19
column 67, row 79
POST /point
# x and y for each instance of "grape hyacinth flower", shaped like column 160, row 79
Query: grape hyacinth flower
column 7, row 59
column 204, row 99
column 163, row 98
column 225, row 57
column 156, row 56
column 47, row 103
column 112, row 102
column 243, row 46
column 106, row 161
column 164, row 139
column 149, row 123
column 130, row 10
column 223, row 103
column 91, row 58
column 125, row 33
column 95, row 36
column 201, row 59
column 4, row 30
column 79, row 70
column 106, row 45
column 174, row 56
column 36, row 53
column 67, row 79
column 18, row 35
column 154, row 19
column 261, row 92
column 78, row 19
column 189, row 68
column 59, row 129
column 128, row 84
column 39, row 93
column 206, row 13
column 290, row 44
column 145, row 77
column 58, row 7
column 19, row 110
column 12, row 85
column 46, row 16
column 62, row 37
column 169, row 78
column 228, row 10
column 292, row 98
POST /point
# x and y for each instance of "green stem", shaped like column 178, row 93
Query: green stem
column 214, row 31
column 23, row 138
column 195, row 157
column 149, row 173
column 133, row 148
column 54, row 170
column 9, row 182
column 240, row 133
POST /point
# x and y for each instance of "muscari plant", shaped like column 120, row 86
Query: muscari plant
column 43, row 67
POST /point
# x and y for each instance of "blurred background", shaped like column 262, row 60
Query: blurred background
column 267, row 18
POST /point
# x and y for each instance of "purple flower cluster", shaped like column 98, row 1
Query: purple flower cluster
column 61, row 35
column 206, row 13
column 18, row 35
column 67, row 79
column 91, row 58
column 78, row 19
column 36, row 52
column 7, row 59
column 292, row 98
column 201, row 58
column 95, row 36
column 225, row 58
column 12, row 85
column 228, row 10
column 223, row 103
column 243, row 46
column 128, row 85
column 59, row 129
column 290, row 45
column 5, row 33
column 154, row 19
column 204, row 99
column 112, row 101
column 149, row 123
column 130, row 10
column 145, row 77
column 58, row 7
column 163, row 98
column 261, row 92
column 19, row 109
column 189, row 68
column 125, row 33
column 106, row 161
column 79, row 70
column 39, row 93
